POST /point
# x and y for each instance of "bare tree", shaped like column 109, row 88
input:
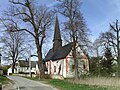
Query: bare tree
column 116, row 30
column 106, row 39
column 36, row 20
column 97, row 44
column 111, row 39
column 13, row 46
column 75, row 23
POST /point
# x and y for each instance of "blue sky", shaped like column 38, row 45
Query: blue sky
column 97, row 13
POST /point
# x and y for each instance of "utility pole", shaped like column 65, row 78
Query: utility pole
column 0, row 56
column 30, row 62
column 0, row 59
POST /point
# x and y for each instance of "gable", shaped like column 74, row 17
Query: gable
column 59, row 54
column 63, row 52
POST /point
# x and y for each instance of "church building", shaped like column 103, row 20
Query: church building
column 59, row 59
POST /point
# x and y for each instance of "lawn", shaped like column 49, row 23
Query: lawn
column 83, row 84
column 65, row 85
column 4, row 80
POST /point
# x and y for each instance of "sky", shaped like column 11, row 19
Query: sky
column 97, row 13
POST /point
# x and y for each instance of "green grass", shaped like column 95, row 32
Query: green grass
column 65, row 85
column 4, row 80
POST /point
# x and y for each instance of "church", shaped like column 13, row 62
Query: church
column 59, row 59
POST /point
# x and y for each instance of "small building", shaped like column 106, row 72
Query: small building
column 23, row 66
column 9, row 71
column 59, row 59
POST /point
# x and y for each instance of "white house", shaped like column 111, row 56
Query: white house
column 9, row 71
column 23, row 66
column 59, row 59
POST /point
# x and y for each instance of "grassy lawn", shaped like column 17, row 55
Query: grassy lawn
column 4, row 80
column 65, row 85
column 70, row 85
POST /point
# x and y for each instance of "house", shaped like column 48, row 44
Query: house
column 9, row 71
column 59, row 59
column 23, row 66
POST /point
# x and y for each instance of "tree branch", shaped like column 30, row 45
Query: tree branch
column 19, row 3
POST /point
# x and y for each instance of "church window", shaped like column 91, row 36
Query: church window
column 54, row 68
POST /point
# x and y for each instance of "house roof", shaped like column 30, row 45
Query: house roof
column 59, row 54
column 24, row 63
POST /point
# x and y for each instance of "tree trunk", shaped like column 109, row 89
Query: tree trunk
column 75, row 59
column 76, row 64
column 118, row 58
column 40, row 61
column 40, row 64
column 13, row 67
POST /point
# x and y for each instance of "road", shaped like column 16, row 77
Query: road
column 26, row 84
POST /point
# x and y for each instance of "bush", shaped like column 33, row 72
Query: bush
column 5, row 68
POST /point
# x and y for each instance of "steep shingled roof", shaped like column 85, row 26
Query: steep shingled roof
column 59, row 54
column 57, row 35
column 57, row 41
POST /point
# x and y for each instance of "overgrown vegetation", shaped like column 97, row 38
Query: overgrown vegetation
column 110, row 39
column 103, row 66
column 65, row 85
column 106, row 63
column 88, row 83
column 4, row 80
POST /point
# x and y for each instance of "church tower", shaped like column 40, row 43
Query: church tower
column 57, row 41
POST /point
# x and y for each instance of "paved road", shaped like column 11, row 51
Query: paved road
column 26, row 84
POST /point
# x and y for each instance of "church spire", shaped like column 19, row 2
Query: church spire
column 57, row 36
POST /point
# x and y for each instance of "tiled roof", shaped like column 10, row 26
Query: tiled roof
column 59, row 54
column 24, row 63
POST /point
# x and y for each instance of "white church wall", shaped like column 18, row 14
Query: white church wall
column 64, row 67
